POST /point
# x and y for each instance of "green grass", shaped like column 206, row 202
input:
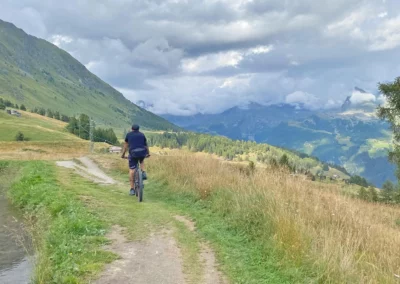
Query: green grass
column 67, row 238
column 243, row 259
column 114, row 206
column 378, row 148
column 34, row 128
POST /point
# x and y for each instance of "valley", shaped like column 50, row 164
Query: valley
column 355, row 139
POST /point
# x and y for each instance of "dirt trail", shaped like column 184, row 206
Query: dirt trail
column 211, row 273
column 88, row 170
column 156, row 260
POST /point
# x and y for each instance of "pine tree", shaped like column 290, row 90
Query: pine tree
column 373, row 195
column 362, row 193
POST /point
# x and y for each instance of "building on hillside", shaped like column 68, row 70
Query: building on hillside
column 16, row 113
column 115, row 149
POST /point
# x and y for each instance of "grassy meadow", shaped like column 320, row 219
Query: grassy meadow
column 266, row 226
column 324, row 236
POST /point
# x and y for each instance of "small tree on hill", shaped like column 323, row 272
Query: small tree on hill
column 362, row 193
column 284, row 161
column 20, row 136
column 56, row 115
column 23, row 107
column 391, row 112
column 16, row 106
column 373, row 195
column 50, row 113
column 388, row 190
column 2, row 106
column 252, row 167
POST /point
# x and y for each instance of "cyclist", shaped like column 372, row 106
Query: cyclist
column 136, row 143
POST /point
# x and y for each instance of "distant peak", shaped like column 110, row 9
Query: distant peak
column 360, row 90
column 347, row 104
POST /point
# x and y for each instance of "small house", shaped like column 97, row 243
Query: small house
column 16, row 113
column 115, row 149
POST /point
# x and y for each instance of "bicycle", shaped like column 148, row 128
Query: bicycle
column 138, row 181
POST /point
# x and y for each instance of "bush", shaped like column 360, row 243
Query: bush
column 2, row 106
column 20, row 136
column 22, row 107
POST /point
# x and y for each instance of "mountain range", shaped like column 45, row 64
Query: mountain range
column 351, row 136
column 37, row 73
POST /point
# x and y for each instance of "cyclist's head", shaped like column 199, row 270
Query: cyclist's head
column 135, row 127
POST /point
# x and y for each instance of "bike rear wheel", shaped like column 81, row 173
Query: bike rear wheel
column 139, row 183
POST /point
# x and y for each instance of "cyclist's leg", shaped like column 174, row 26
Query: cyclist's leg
column 132, row 177
column 132, row 171
column 142, row 167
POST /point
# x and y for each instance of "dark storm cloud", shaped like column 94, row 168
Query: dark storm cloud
column 187, row 56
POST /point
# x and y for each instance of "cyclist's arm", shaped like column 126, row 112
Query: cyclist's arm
column 124, row 150
column 146, row 146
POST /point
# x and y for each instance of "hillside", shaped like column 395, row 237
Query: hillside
column 46, row 138
column 39, row 74
column 354, row 139
column 246, row 151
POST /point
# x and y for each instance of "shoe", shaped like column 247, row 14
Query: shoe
column 144, row 175
column 132, row 192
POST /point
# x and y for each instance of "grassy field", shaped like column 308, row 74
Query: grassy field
column 265, row 226
column 47, row 139
column 35, row 127
column 309, row 230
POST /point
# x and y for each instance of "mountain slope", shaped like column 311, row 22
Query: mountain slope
column 39, row 74
column 355, row 139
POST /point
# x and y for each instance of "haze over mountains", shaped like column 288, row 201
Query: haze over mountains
column 351, row 135
column 37, row 73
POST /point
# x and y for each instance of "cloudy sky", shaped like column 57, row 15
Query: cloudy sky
column 190, row 56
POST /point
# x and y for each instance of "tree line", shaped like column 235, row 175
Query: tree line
column 39, row 110
column 6, row 103
column 238, row 150
column 80, row 127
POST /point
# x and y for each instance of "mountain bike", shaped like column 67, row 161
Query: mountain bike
column 138, row 182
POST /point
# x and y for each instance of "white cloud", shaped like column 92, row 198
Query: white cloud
column 60, row 40
column 186, row 56
column 358, row 98
column 261, row 49
column 212, row 61
column 304, row 99
column 387, row 36
column 383, row 15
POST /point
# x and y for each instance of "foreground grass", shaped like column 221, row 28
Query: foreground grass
column 67, row 238
column 114, row 206
column 271, row 228
column 243, row 258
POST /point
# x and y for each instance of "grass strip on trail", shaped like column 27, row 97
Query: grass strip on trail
column 243, row 260
column 67, row 238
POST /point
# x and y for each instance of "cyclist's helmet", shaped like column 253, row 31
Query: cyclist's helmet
column 135, row 127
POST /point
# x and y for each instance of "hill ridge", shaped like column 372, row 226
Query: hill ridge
column 37, row 73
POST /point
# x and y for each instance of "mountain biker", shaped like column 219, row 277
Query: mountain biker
column 136, row 142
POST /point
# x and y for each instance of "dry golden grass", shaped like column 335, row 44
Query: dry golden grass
column 344, row 240
column 47, row 150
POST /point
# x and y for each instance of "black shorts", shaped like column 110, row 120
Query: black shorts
column 133, row 162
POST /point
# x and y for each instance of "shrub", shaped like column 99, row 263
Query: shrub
column 20, row 136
